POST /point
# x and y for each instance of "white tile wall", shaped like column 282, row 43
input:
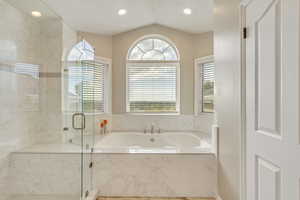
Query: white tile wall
column 30, row 106
column 125, row 122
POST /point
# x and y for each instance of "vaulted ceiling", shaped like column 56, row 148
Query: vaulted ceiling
column 101, row 16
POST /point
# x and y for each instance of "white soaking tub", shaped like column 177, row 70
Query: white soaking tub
column 168, row 142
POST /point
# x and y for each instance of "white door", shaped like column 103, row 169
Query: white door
column 272, row 100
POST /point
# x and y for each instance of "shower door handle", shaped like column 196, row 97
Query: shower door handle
column 82, row 126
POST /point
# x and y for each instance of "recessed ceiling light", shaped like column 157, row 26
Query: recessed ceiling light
column 187, row 11
column 36, row 14
column 122, row 12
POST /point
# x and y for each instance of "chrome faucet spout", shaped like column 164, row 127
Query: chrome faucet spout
column 152, row 128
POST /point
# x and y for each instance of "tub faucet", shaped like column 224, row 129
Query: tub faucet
column 152, row 128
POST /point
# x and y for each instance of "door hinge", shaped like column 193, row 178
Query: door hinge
column 86, row 194
column 245, row 33
column 91, row 165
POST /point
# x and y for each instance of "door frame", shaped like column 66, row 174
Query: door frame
column 243, row 146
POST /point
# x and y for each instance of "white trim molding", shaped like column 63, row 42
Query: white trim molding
column 108, row 83
column 198, row 83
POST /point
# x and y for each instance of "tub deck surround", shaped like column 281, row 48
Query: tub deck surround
column 157, row 175
column 132, row 142
column 170, row 164
column 167, row 142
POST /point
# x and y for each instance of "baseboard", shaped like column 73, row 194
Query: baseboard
column 218, row 198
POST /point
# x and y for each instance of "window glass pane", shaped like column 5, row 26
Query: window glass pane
column 86, row 87
column 146, row 45
column 153, row 49
column 152, row 87
column 136, row 54
column 153, row 55
column 170, row 54
column 86, row 55
column 93, row 86
column 81, row 51
column 208, row 84
column 160, row 45
column 87, row 46
column 74, row 55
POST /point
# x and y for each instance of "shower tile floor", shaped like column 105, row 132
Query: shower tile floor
column 151, row 198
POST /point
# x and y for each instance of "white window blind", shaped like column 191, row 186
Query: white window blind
column 152, row 87
column 208, row 84
column 87, row 87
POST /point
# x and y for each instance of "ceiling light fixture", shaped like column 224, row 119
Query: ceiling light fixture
column 187, row 11
column 122, row 12
column 36, row 14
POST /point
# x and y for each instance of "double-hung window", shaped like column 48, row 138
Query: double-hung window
column 204, row 85
column 153, row 77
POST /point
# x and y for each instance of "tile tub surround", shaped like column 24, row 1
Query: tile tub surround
column 137, row 122
column 155, row 175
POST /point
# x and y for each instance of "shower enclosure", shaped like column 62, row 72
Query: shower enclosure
column 79, row 122
column 50, row 105
column 84, row 101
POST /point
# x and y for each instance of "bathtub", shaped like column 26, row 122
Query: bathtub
column 170, row 164
column 168, row 142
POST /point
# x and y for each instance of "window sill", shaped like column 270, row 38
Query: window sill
column 153, row 114
column 87, row 114
column 205, row 114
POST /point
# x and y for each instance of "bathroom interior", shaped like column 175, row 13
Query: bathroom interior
column 107, row 98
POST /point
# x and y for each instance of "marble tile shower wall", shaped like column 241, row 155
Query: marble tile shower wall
column 50, row 85
column 30, row 54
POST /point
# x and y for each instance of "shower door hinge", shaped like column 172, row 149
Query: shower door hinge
column 245, row 33
column 86, row 194
column 91, row 165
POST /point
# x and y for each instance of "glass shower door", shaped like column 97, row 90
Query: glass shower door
column 79, row 118
column 88, row 103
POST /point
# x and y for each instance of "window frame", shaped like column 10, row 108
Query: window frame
column 173, row 62
column 198, row 85
column 107, row 85
column 107, row 109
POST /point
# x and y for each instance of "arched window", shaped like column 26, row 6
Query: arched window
column 86, row 80
column 81, row 51
column 153, row 48
column 153, row 76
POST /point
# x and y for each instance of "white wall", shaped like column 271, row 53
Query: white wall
column 101, row 43
column 228, row 99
